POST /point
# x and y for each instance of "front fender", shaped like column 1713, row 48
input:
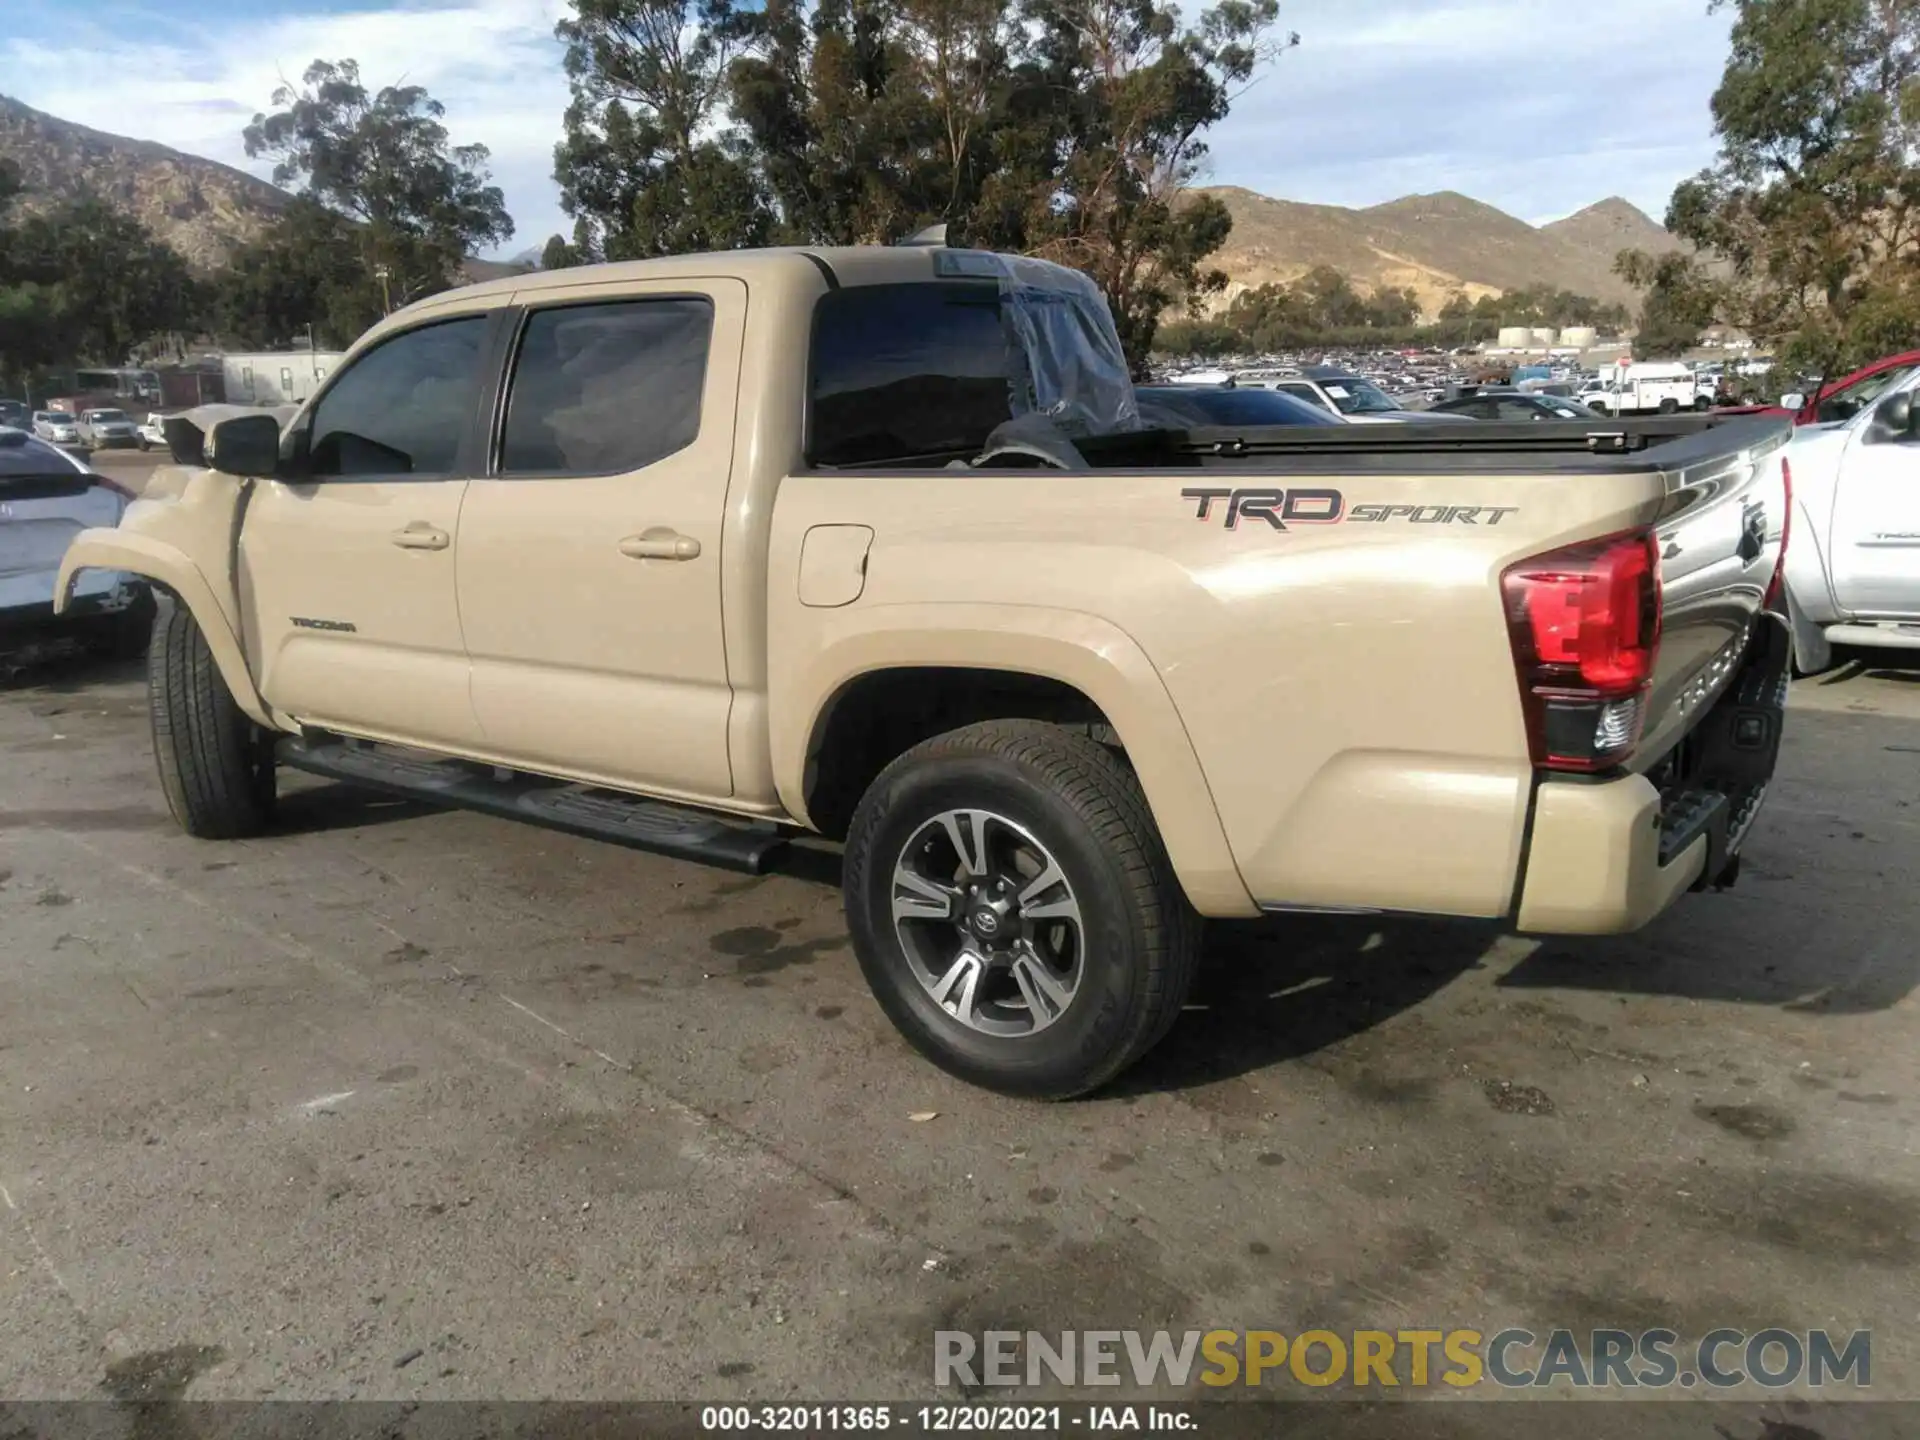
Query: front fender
column 1098, row 659
column 169, row 567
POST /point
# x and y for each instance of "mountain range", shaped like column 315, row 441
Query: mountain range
column 1435, row 245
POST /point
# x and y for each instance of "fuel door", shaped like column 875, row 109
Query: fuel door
column 833, row 565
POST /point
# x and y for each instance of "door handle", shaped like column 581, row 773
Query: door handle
column 660, row 543
column 421, row 536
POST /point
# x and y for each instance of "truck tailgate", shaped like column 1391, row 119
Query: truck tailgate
column 1720, row 546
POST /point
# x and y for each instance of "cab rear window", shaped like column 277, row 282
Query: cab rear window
column 909, row 372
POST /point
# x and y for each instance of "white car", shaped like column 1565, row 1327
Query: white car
column 57, row 426
column 46, row 498
column 152, row 433
column 1853, row 564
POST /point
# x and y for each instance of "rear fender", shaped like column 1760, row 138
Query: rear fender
column 1094, row 657
column 169, row 567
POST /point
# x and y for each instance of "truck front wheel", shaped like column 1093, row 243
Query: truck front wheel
column 216, row 765
column 1014, row 909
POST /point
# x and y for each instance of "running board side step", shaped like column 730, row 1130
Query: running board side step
column 577, row 809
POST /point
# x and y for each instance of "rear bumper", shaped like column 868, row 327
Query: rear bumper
column 1608, row 856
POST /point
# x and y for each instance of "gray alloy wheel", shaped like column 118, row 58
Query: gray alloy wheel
column 989, row 922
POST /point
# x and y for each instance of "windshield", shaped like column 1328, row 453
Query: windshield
column 1849, row 402
column 1358, row 397
column 1563, row 408
column 108, row 417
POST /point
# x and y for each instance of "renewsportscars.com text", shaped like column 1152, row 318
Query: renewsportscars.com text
column 1511, row 1358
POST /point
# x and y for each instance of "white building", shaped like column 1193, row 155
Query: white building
column 276, row 377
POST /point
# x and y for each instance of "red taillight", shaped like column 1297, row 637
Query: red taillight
column 1585, row 626
column 1778, row 584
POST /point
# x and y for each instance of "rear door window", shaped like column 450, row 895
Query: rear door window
column 909, row 372
column 605, row 389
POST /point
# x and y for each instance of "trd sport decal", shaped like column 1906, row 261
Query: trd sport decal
column 1281, row 508
column 1276, row 507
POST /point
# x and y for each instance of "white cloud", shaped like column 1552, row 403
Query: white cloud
column 1537, row 106
column 493, row 63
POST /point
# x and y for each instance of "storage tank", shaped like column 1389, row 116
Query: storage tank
column 1580, row 337
column 1515, row 337
column 1545, row 336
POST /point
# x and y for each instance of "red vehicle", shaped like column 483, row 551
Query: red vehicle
column 1844, row 398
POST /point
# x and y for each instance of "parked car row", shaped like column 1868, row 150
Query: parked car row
column 97, row 429
column 1337, row 394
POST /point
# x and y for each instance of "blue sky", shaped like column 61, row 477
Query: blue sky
column 1537, row 106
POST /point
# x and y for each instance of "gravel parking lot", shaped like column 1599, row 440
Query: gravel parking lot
column 405, row 1103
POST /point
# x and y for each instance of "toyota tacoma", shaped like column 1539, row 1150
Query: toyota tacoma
column 700, row 553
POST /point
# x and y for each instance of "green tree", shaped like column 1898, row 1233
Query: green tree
column 384, row 161
column 1115, row 98
column 640, row 169
column 557, row 254
column 308, row 270
column 1808, row 223
column 1069, row 129
column 84, row 281
column 1679, row 304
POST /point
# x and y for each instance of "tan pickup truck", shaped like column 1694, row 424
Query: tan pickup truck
column 698, row 553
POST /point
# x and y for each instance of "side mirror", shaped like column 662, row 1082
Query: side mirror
column 244, row 445
column 1792, row 400
column 1896, row 420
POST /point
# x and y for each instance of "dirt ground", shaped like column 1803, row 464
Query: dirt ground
column 406, row 1103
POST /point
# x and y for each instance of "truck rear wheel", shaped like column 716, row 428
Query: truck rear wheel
column 216, row 765
column 1014, row 909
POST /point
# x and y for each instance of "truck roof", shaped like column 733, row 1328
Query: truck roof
column 807, row 265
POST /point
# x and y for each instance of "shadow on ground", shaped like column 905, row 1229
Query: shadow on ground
column 1853, row 663
column 62, row 667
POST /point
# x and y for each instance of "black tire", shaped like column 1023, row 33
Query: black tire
column 1669, row 406
column 145, row 444
column 216, row 765
column 1703, row 404
column 125, row 634
column 1139, row 938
